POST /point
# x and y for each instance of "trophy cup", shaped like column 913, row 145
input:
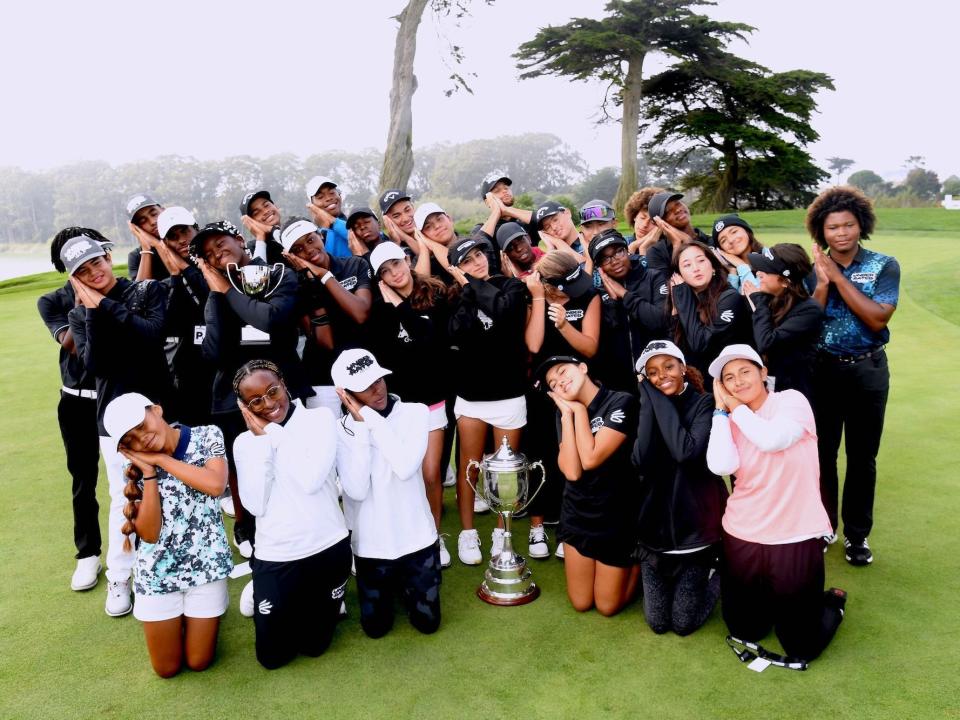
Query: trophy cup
column 254, row 282
column 506, row 488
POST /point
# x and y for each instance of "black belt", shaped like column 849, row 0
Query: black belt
column 849, row 359
column 751, row 651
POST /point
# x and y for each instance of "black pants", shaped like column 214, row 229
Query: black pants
column 678, row 591
column 296, row 604
column 78, row 428
column 415, row 577
column 850, row 400
column 540, row 442
column 778, row 587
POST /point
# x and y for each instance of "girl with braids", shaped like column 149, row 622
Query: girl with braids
column 286, row 474
column 703, row 312
column 786, row 320
column 409, row 332
column 733, row 241
column 174, row 477
column 681, row 500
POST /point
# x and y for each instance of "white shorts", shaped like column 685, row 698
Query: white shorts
column 504, row 414
column 205, row 601
column 326, row 396
column 438, row 416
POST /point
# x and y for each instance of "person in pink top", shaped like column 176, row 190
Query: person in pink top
column 774, row 522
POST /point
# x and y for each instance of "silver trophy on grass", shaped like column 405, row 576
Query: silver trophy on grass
column 255, row 283
column 504, row 483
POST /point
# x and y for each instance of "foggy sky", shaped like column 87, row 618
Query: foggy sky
column 121, row 81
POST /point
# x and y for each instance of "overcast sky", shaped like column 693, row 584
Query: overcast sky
column 121, row 81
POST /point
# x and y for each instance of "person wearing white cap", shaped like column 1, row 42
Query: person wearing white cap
column 774, row 522
column 382, row 442
column 285, row 471
column 335, row 302
column 409, row 333
column 325, row 205
column 681, row 501
column 437, row 232
column 114, row 320
column 174, row 476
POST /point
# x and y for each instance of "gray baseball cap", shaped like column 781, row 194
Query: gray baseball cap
column 76, row 251
column 138, row 202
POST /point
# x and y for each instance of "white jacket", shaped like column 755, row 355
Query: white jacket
column 286, row 480
column 379, row 462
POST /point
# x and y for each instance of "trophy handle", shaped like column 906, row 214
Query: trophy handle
column 472, row 485
column 543, row 479
column 270, row 291
column 231, row 274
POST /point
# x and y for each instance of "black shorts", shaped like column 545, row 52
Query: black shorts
column 296, row 604
column 614, row 550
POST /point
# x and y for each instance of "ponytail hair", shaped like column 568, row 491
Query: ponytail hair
column 694, row 377
column 134, row 494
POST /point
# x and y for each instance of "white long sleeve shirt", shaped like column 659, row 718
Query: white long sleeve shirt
column 379, row 462
column 286, row 480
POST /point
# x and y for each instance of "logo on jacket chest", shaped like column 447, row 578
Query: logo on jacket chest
column 485, row 319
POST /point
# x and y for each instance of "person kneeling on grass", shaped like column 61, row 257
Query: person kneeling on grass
column 774, row 522
column 285, row 463
column 174, row 477
column 382, row 445
column 598, row 514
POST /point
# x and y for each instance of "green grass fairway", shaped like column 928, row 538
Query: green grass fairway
column 895, row 656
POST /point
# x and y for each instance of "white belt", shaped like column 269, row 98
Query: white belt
column 89, row 394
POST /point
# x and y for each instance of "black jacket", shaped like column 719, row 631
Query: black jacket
column 121, row 343
column 487, row 327
column 790, row 347
column 701, row 343
column 682, row 502
column 227, row 313
column 660, row 254
column 54, row 308
column 193, row 375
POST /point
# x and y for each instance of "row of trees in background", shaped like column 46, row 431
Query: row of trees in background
column 920, row 186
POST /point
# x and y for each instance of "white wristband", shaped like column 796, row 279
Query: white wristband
column 326, row 276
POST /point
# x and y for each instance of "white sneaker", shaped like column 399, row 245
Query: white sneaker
column 353, row 566
column 559, row 551
column 480, row 505
column 468, row 547
column 226, row 506
column 444, row 553
column 118, row 599
column 496, row 542
column 246, row 600
column 450, row 479
column 86, row 574
column 538, row 543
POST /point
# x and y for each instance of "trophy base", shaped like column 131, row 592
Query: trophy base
column 507, row 581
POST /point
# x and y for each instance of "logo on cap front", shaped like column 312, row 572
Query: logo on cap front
column 76, row 250
column 359, row 365
column 134, row 201
column 541, row 211
column 390, row 196
column 719, row 226
column 463, row 245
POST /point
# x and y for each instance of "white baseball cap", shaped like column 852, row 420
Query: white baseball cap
column 172, row 217
column 733, row 352
column 315, row 183
column 356, row 370
column 387, row 250
column 295, row 229
column 424, row 211
column 123, row 414
column 658, row 347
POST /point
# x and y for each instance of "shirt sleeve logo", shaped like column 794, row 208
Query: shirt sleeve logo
column 727, row 316
column 348, row 283
column 617, row 416
column 595, row 424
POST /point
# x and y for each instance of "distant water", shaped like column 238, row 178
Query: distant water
column 13, row 266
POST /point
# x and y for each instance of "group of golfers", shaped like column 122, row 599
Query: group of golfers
column 324, row 373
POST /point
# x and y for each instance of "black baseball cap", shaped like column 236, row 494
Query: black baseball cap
column 610, row 236
column 658, row 203
column 767, row 261
column 137, row 202
column 597, row 211
column 545, row 210
column 391, row 197
column 576, row 283
column 358, row 213
column 492, row 179
column 250, row 197
column 220, row 227
column 508, row 232
column 541, row 373
column 458, row 252
column 725, row 221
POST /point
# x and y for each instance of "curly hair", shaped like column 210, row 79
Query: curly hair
column 843, row 198
column 638, row 202
column 60, row 239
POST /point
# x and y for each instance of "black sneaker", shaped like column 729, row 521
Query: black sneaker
column 836, row 598
column 857, row 553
